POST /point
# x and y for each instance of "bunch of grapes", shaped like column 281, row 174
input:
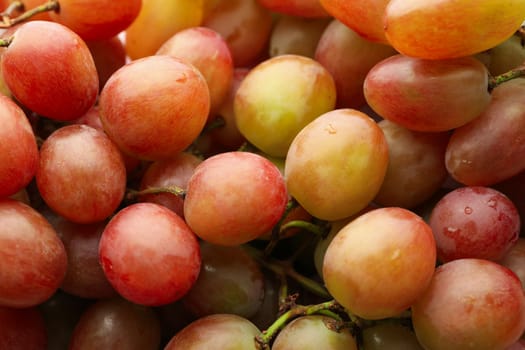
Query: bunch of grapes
column 262, row 174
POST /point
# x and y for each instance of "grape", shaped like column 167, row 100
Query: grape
column 416, row 166
column 154, row 107
column 261, row 174
column 160, row 19
column 22, row 329
column 389, row 336
column 84, row 276
column 54, row 58
column 239, row 207
column 336, row 164
column 18, row 149
column 96, row 19
column 506, row 56
column 109, row 55
column 384, row 247
column 514, row 259
column 474, row 222
column 234, row 276
column 278, row 98
column 34, row 258
column 415, row 93
column 470, row 304
column 149, row 254
column 269, row 308
column 209, row 53
column 89, row 182
column 437, row 29
column 245, row 25
column 313, row 332
column 228, row 137
column 296, row 35
column 61, row 314
column 297, row 8
column 489, row 149
column 336, row 45
column 219, row 331
column 116, row 323
column 363, row 17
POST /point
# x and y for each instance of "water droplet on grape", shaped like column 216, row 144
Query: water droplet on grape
column 468, row 210
column 492, row 203
column 450, row 231
column 465, row 161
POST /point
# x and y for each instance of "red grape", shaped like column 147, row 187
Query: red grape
column 470, row 304
column 81, row 175
column 96, row 19
column 116, row 324
column 474, row 222
column 22, row 329
column 149, row 254
column 209, row 53
column 490, row 149
column 239, row 207
column 236, row 278
column 245, row 25
column 84, row 276
column 53, row 58
column 218, row 331
column 154, row 107
column 18, row 149
column 34, row 258
column 428, row 95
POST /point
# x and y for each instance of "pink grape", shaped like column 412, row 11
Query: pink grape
column 474, row 222
column 149, row 254
column 470, row 304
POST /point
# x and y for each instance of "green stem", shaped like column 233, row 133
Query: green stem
column 6, row 42
column 319, row 230
column 247, row 147
column 175, row 190
column 264, row 339
column 51, row 5
column 496, row 81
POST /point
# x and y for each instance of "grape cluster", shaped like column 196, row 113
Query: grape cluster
column 262, row 174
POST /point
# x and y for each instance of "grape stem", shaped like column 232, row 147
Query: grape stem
column 6, row 42
column 496, row 81
column 8, row 22
column 15, row 6
column 330, row 308
column 320, row 230
column 175, row 190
